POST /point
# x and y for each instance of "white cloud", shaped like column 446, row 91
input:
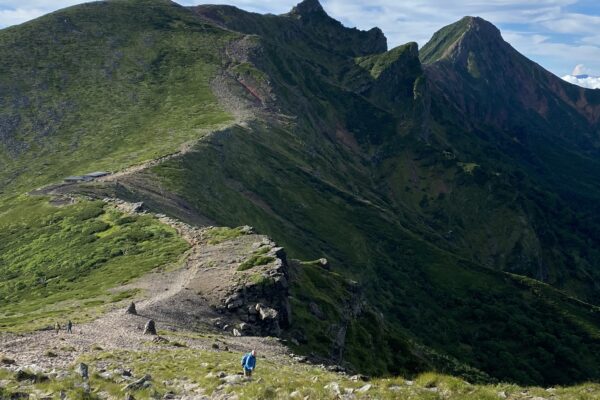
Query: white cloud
column 581, row 69
column 590, row 82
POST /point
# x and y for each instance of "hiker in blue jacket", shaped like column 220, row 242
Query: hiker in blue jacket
column 249, row 363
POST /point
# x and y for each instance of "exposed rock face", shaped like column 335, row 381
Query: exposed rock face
column 266, row 313
column 350, row 41
column 307, row 20
column 307, row 7
column 262, row 302
column 150, row 328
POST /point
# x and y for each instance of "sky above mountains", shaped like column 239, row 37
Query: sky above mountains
column 561, row 35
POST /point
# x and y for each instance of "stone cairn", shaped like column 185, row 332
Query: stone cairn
column 150, row 328
column 131, row 309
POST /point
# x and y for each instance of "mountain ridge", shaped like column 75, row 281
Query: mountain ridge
column 463, row 41
column 307, row 19
column 351, row 152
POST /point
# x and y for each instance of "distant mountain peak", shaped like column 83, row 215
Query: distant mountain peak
column 308, row 7
column 478, row 22
column 479, row 26
column 350, row 41
column 452, row 39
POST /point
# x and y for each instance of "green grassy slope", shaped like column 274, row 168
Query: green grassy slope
column 437, row 48
column 95, row 87
column 58, row 263
column 102, row 86
column 172, row 369
column 99, row 86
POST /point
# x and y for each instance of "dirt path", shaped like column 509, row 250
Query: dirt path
column 183, row 149
column 182, row 300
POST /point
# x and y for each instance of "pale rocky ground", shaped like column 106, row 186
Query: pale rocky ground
column 187, row 299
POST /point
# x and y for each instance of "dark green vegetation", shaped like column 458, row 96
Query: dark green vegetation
column 445, row 199
column 56, row 263
column 484, row 318
column 535, row 141
column 374, row 177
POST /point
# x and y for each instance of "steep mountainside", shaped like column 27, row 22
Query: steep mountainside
column 528, row 130
column 453, row 190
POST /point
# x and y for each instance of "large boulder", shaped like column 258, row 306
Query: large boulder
column 234, row 301
column 266, row 313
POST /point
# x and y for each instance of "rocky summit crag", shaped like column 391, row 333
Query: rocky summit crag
column 448, row 195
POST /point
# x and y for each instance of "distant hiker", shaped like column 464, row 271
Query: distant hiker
column 69, row 327
column 249, row 363
column 57, row 327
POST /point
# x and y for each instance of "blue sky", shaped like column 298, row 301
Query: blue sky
column 558, row 34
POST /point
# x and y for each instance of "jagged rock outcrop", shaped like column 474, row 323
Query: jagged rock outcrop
column 306, row 21
column 389, row 78
column 348, row 41
column 261, row 300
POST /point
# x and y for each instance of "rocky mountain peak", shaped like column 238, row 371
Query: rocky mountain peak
column 325, row 29
column 481, row 35
column 478, row 24
column 308, row 7
column 469, row 33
